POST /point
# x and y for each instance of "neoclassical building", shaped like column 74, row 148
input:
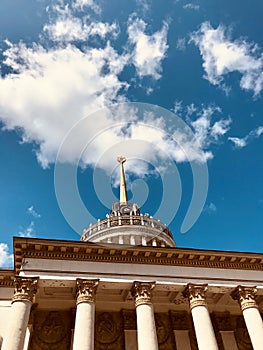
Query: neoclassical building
column 126, row 286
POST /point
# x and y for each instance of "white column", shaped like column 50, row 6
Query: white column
column 246, row 299
column 85, row 315
column 146, row 331
column 25, row 288
column 202, row 323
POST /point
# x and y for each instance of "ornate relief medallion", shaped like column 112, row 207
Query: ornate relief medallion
column 107, row 330
column 51, row 331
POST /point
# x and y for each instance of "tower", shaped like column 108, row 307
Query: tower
column 125, row 224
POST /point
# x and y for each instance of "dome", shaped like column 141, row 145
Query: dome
column 125, row 224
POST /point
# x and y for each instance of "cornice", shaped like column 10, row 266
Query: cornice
column 112, row 253
column 7, row 278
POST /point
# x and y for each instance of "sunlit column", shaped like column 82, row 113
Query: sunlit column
column 25, row 289
column 246, row 299
column 202, row 323
column 85, row 315
column 146, row 331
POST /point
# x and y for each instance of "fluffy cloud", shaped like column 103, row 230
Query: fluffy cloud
column 63, row 90
column 67, row 27
column 28, row 231
column 243, row 142
column 191, row 6
column 53, row 89
column 81, row 4
column 221, row 56
column 6, row 259
column 207, row 130
column 149, row 50
column 31, row 210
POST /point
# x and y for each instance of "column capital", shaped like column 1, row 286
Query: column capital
column 245, row 297
column 141, row 292
column 25, row 288
column 195, row 294
column 86, row 290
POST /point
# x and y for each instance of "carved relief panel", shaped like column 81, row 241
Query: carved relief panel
column 164, row 332
column 109, row 333
column 51, row 330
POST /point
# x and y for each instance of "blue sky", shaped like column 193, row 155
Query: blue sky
column 175, row 85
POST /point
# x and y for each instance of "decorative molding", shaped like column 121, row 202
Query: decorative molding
column 195, row 294
column 245, row 297
column 25, row 288
column 6, row 278
column 141, row 292
column 86, row 290
column 87, row 251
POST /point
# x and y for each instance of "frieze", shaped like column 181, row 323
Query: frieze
column 84, row 251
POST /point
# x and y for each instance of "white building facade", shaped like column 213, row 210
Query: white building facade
column 126, row 286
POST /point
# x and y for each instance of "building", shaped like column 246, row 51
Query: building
column 126, row 285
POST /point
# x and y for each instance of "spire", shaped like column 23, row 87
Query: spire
column 123, row 191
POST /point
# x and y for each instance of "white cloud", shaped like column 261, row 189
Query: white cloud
column 82, row 4
column 210, row 208
column 31, row 210
column 28, row 231
column 239, row 143
column 67, row 28
column 181, row 44
column 6, row 259
column 178, row 107
column 221, row 56
column 207, row 131
column 243, row 142
column 149, row 50
column 53, row 89
column 145, row 5
column 191, row 6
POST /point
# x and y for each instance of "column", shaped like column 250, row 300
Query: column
column 246, row 299
column 85, row 315
column 202, row 323
column 25, row 289
column 146, row 331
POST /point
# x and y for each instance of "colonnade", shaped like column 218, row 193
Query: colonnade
column 26, row 287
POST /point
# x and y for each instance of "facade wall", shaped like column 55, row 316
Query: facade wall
column 53, row 330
